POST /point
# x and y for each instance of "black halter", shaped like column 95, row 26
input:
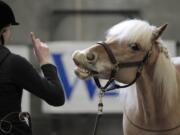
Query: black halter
column 117, row 65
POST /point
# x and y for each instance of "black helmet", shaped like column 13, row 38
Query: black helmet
column 6, row 15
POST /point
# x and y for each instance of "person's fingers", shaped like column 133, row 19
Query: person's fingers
column 34, row 52
column 33, row 38
column 44, row 45
column 36, row 41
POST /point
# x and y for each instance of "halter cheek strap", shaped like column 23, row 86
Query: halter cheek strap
column 109, row 52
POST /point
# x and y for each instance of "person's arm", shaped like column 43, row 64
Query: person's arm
column 48, row 87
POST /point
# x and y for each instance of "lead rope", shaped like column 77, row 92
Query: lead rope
column 100, row 110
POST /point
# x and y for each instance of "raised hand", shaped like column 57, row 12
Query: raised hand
column 41, row 50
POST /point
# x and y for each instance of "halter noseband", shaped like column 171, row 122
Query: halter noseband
column 117, row 65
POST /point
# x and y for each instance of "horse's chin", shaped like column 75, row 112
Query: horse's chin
column 84, row 74
column 88, row 71
column 84, row 70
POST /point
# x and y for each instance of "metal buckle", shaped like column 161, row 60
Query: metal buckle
column 22, row 116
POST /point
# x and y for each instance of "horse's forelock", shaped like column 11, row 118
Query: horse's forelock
column 133, row 31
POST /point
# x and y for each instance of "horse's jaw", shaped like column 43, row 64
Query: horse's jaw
column 82, row 73
column 125, row 75
column 85, row 71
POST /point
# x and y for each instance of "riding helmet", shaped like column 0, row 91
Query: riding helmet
column 6, row 15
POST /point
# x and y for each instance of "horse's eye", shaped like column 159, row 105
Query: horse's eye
column 134, row 46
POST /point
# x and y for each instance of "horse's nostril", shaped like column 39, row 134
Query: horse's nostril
column 90, row 56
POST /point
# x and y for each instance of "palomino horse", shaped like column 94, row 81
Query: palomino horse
column 153, row 107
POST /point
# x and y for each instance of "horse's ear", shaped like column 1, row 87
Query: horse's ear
column 159, row 30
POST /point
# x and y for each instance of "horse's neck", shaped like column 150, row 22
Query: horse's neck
column 146, row 106
column 145, row 98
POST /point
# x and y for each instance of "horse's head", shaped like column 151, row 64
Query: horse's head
column 129, row 41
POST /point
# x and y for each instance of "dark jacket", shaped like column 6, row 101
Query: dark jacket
column 16, row 74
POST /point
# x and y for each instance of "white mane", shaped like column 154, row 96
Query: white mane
column 141, row 32
column 131, row 31
column 165, row 78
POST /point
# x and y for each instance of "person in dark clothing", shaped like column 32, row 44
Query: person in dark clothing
column 16, row 74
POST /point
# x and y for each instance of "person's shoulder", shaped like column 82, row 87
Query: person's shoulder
column 18, row 60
